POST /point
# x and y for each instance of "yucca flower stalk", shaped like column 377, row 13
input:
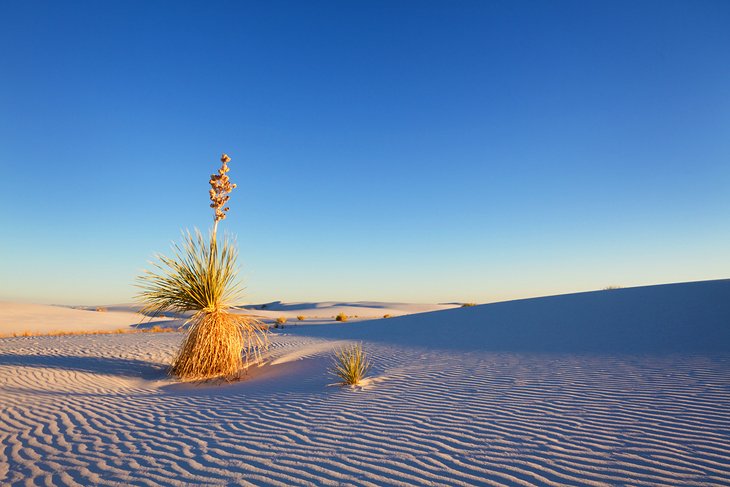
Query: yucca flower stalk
column 202, row 277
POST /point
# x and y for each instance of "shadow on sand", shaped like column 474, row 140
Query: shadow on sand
column 98, row 365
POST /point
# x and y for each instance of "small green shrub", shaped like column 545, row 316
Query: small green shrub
column 350, row 365
column 341, row 317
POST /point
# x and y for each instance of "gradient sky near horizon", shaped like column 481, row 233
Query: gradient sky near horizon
column 384, row 150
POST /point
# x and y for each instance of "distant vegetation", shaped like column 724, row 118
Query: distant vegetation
column 611, row 288
column 341, row 317
column 280, row 321
column 118, row 331
column 301, row 317
column 101, row 309
column 387, row 316
column 468, row 305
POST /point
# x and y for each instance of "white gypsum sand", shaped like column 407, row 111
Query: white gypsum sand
column 621, row 387
column 38, row 319
column 325, row 312
column 20, row 318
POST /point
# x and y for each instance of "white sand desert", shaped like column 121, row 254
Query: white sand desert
column 24, row 318
column 620, row 387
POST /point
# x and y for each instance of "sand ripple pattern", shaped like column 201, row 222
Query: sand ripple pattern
column 99, row 411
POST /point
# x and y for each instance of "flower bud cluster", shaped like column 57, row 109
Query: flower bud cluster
column 220, row 188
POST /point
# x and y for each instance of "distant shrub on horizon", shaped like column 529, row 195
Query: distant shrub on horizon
column 611, row 288
column 341, row 317
column 387, row 316
column 101, row 309
column 468, row 305
column 301, row 317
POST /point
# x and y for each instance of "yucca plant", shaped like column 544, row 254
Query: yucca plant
column 350, row 365
column 202, row 277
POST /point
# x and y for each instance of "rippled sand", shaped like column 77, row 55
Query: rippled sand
column 99, row 410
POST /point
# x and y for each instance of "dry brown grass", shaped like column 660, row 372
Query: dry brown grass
column 213, row 345
column 301, row 317
column 118, row 331
column 387, row 316
column 341, row 317
column 281, row 320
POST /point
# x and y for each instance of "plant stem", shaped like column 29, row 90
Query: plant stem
column 213, row 257
column 214, row 234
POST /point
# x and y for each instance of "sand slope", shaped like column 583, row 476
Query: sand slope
column 19, row 318
column 39, row 318
column 84, row 410
column 691, row 316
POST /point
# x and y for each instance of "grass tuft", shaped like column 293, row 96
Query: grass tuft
column 387, row 316
column 341, row 317
column 301, row 317
column 350, row 365
column 202, row 278
column 200, row 275
column 213, row 345
column 468, row 305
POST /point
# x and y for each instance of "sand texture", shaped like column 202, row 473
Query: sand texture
column 626, row 387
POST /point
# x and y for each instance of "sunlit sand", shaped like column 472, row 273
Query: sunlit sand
column 616, row 387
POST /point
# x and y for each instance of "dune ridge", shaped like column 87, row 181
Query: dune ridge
column 670, row 317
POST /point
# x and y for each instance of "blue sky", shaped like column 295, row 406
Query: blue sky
column 415, row 151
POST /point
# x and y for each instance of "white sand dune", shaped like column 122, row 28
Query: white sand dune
column 19, row 318
column 476, row 396
column 39, row 318
column 324, row 312
column 689, row 316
